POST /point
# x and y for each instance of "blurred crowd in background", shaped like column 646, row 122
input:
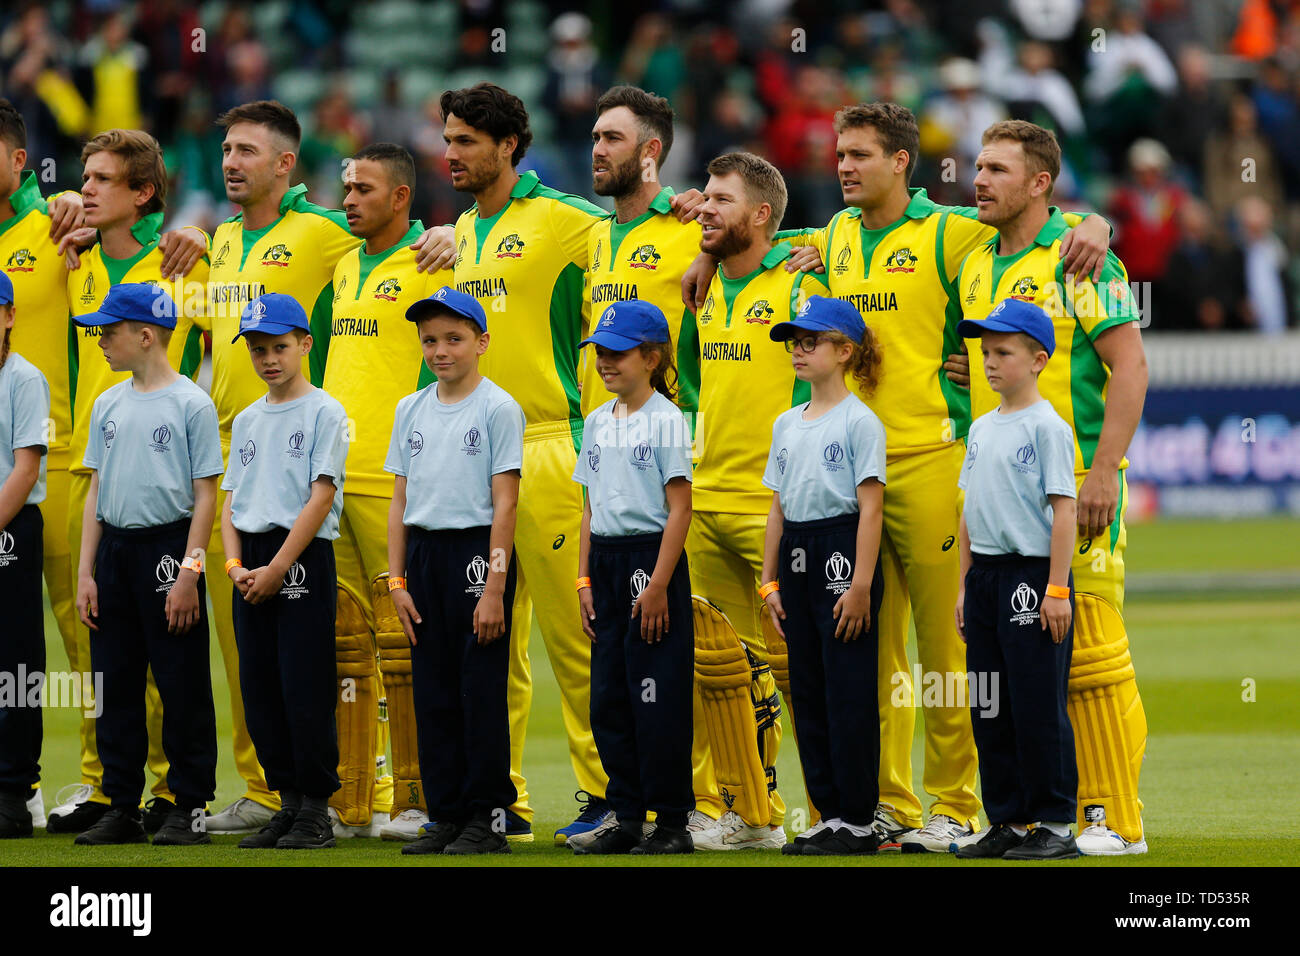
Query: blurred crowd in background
column 1179, row 119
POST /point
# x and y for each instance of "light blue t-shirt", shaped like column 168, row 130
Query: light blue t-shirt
column 24, row 418
column 816, row 466
column 1013, row 462
column 276, row 452
column 148, row 448
column 626, row 462
column 449, row 453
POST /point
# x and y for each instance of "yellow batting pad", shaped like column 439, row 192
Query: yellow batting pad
column 357, row 711
column 395, row 666
column 1110, row 726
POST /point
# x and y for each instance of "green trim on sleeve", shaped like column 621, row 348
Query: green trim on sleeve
column 955, row 396
column 74, row 366
column 688, row 365
column 322, row 313
column 192, row 354
column 575, row 202
column 566, row 327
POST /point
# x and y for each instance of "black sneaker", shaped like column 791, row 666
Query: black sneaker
column 663, row 841
column 842, row 842
column 179, row 830
column 613, row 840
column 310, row 831
column 433, row 838
column 79, row 820
column 478, row 837
column 1043, row 844
column 993, row 844
column 15, row 818
column 115, row 825
column 796, row 846
column 267, row 837
column 156, row 812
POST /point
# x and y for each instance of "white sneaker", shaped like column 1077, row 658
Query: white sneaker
column 812, row 831
column 405, row 826
column 242, row 816
column 967, row 840
column 706, row 832
column 36, row 807
column 937, row 836
column 343, row 831
column 1101, row 840
column 890, row 828
column 580, row 840
column 739, row 835
column 69, row 798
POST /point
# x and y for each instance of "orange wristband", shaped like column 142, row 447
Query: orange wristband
column 583, row 583
column 233, row 563
column 1058, row 591
column 192, row 564
column 395, row 584
column 767, row 589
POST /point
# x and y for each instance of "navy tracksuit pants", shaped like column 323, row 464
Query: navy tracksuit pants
column 134, row 570
column 1024, row 737
column 458, row 685
column 287, row 671
column 641, row 694
column 22, row 649
column 832, row 682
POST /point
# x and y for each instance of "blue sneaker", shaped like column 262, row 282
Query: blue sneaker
column 593, row 813
column 518, row 830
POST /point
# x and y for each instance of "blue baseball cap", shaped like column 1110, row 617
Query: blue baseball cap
column 6, row 290
column 822, row 314
column 447, row 301
column 625, row 325
column 272, row 313
column 137, row 301
column 1013, row 315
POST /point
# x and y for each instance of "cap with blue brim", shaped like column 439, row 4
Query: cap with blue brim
column 133, row 301
column 273, row 313
column 822, row 314
column 626, row 325
column 447, row 301
column 6, row 290
column 1013, row 315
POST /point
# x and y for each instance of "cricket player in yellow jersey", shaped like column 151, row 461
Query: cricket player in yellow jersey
column 640, row 250
column 1096, row 380
column 521, row 250
column 746, row 381
column 374, row 361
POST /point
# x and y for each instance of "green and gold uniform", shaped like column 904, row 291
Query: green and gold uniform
column 1105, row 709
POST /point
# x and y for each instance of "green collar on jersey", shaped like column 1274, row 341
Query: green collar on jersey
column 918, row 207
column 27, row 195
column 1053, row 229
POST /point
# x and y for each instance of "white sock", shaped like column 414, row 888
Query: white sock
column 1060, row 829
column 835, row 823
column 857, row 830
column 1018, row 829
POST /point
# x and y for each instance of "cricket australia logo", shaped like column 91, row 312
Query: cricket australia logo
column 833, row 456
column 842, row 260
column 473, row 439
column 21, row 261
column 644, row 257
column 511, row 247
column 277, row 255
column 7, row 555
column 296, row 441
column 476, row 573
column 109, row 431
column 292, row 587
column 781, row 458
column 388, row 290
column 415, row 443
column 643, row 456
column 1024, row 289
column 639, row 581
column 838, row 570
column 760, row 312
column 162, row 436
column 1024, row 604
column 247, row 453
column 165, row 571
column 593, row 457
column 901, row 260
column 220, row 260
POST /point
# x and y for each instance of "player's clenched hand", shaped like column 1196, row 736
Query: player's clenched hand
column 182, row 605
column 406, row 612
column 686, row 205
column 72, row 243
column 853, row 612
column 958, row 369
column 777, row 611
column 805, row 259
column 1083, row 248
column 652, row 605
column 181, row 250
column 88, row 601
column 267, row 582
column 489, row 617
column 587, row 607
column 695, row 281
column 960, row 613
column 66, row 213
column 435, row 249
column 1098, row 500
column 1055, row 615
column 243, row 579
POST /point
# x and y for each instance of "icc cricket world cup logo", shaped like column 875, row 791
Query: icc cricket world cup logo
column 166, row 571
column 476, row 573
column 7, row 555
column 639, row 581
column 838, row 570
column 292, row 586
column 1024, row 602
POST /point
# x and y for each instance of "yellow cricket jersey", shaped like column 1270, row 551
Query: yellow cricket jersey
column 86, row 288
column 746, row 381
column 526, row 266
column 644, row 259
column 40, row 334
column 902, row 278
column 375, row 357
column 295, row 255
column 1075, row 379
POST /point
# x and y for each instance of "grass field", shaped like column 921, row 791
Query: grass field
column 1219, row 769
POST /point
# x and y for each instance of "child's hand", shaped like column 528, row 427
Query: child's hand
column 587, row 608
column 182, row 605
column 1055, row 614
column 88, row 601
column 961, row 615
column 853, row 612
column 652, row 605
column 265, row 584
column 242, row 577
column 406, row 612
column 776, row 610
column 489, row 617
